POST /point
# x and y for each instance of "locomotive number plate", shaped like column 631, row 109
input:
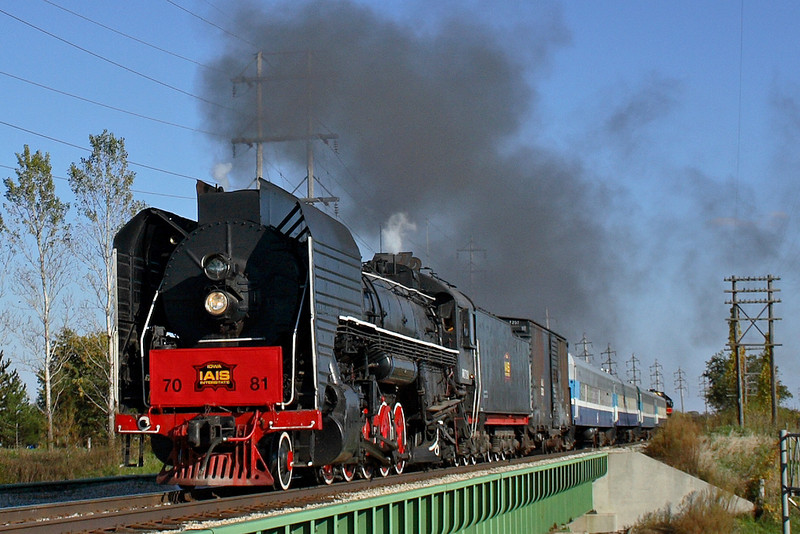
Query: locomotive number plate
column 236, row 376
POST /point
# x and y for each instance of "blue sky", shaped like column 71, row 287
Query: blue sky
column 665, row 131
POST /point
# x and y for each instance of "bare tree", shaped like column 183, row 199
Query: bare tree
column 36, row 228
column 7, row 319
column 102, row 186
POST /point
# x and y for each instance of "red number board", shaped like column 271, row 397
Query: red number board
column 235, row 376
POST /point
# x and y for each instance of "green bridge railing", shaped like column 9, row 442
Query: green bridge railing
column 531, row 499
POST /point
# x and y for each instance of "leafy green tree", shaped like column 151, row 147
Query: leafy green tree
column 102, row 186
column 760, row 396
column 80, row 380
column 20, row 421
column 35, row 225
column 721, row 394
column 721, row 376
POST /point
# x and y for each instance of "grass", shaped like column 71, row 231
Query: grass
column 704, row 513
column 39, row 465
column 699, row 513
column 679, row 443
column 739, row 461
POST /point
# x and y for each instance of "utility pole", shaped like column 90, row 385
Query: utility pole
column 704, row 390
column 260, row 119
column 633, row 371
column 609, row 363
column 585, row 344
column 308, row 137
column 471, row 251
column 680, row 384
column 770, row 346
column 657, row 377
column 744, row 314
column 427, row 242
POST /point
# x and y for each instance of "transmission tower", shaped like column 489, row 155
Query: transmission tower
column 747, row 316
column 657, row 376
column 609, row 365
column 585, row 344
column 680, row 384
column 633, row 370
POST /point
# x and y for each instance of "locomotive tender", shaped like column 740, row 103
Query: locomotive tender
column 254, row 342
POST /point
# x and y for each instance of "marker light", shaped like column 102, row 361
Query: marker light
column 216, row 267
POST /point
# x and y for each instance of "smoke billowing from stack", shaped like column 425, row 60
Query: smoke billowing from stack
column 429, row 125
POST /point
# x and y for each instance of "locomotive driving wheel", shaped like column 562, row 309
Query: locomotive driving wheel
column 365, row 469
column 399, row 424
column 326, row 474
column 385, row 430
column 348, row 472
column 283, row 461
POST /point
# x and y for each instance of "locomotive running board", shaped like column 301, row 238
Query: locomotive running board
column 399, row 344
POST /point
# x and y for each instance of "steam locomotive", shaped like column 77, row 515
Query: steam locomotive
column 254, row 344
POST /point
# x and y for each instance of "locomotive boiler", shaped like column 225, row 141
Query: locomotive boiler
column 254, row 343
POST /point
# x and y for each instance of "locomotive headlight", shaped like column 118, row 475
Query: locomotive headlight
column 216, row 267
column 217, row 303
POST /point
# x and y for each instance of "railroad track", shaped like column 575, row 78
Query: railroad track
column 166, row 511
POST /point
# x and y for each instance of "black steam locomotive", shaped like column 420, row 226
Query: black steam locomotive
column 254, row 343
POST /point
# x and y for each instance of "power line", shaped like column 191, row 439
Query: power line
column 112, row 62
column 212, row 24
column 132, row 38
column 218, row 10
column 94, row 102
column 738, row 129
column 73, row 145
column 140, row 191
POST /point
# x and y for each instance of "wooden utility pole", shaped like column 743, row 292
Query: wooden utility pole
column 742, row 315
column 770, row 347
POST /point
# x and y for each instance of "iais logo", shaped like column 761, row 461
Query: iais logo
column 214, row 375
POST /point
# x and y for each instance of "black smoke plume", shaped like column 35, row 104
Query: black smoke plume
column 434, row 123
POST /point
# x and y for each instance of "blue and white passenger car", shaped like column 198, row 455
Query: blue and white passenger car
column 605, row 409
